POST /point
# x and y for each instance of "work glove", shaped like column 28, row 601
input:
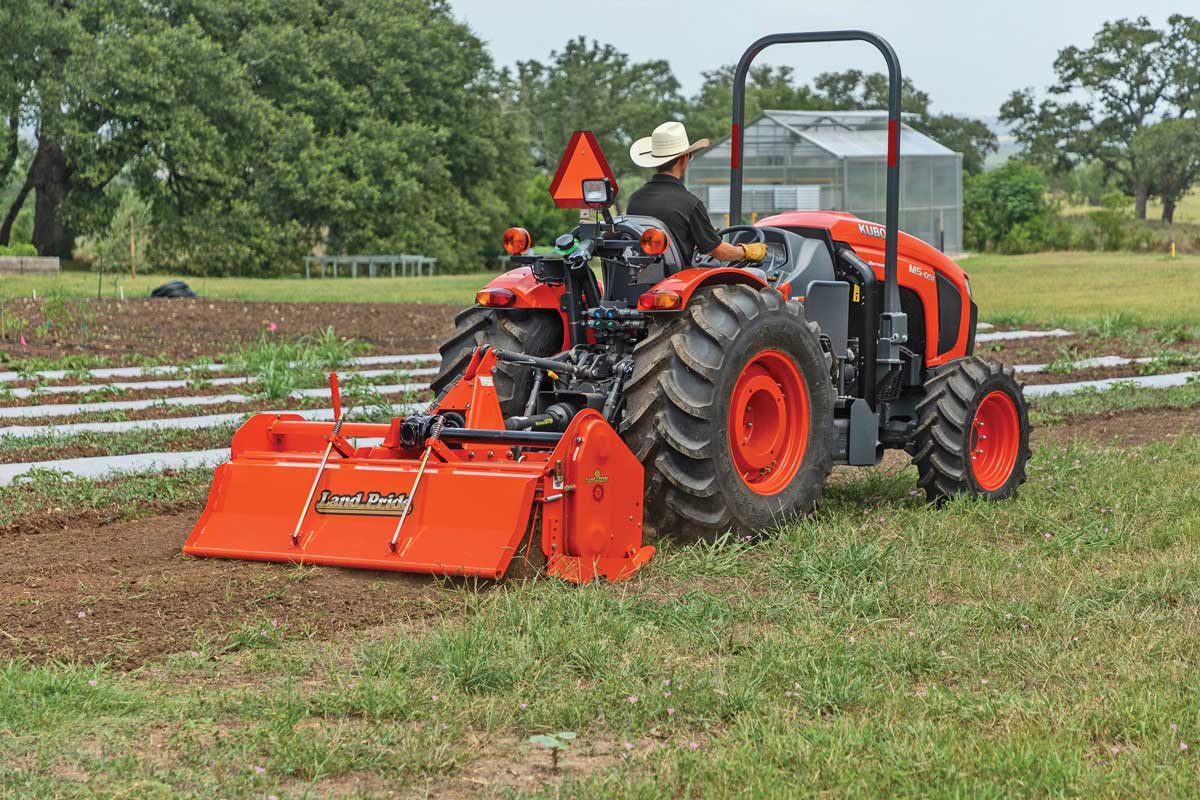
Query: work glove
column 755, row 251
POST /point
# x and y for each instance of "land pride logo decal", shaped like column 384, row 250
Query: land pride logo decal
column 596, row 478
column 361, row 504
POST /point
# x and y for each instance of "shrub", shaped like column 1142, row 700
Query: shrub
column 21, row 250
column 997, row 202
column 1110, row 221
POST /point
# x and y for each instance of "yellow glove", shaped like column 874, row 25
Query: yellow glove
column 755, row 251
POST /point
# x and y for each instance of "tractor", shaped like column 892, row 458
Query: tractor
column 575, row 412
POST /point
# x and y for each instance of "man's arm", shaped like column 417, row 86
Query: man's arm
column 708, row 241
column 728, row 252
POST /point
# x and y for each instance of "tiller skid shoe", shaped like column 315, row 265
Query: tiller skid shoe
column 448, row 493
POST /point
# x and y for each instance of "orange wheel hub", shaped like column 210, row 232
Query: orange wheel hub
column 768, row 422
column 995, row 440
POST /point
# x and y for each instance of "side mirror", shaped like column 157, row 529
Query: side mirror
column 598, row 193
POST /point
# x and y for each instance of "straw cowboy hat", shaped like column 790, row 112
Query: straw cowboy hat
column 669, row 140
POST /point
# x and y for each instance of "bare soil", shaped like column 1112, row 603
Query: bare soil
column 180, row 330
column 1124, row 428
column 1047, row 350
column 124, row 593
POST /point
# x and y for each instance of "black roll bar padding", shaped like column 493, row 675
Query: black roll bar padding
column 891, row 286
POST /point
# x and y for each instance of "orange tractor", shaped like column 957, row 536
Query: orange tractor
column 574, row 412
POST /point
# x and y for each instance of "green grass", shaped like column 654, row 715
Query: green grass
column 1042, row 647
column 1073, row 288
column 454, row 289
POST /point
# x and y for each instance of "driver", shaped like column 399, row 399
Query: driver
column 663, row 197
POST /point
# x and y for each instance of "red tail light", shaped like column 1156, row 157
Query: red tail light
column 495, row 297
column 660, row 300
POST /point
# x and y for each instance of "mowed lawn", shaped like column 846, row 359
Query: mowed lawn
column 455, row 289
column 1151, row 289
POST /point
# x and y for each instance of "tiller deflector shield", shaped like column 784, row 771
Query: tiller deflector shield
column 473, row 508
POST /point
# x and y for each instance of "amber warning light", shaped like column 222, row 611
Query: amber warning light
column 654, row 241
column 516, row 241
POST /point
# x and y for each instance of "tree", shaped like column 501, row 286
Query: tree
column 592, row 87
column 1130, row 75
column 260, row 130
column 1168, row 158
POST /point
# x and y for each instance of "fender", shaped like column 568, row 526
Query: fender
column 685, row 283
column 529, row 292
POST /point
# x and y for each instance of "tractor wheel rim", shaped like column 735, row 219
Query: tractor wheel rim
column 768, row 422
column 995, row 439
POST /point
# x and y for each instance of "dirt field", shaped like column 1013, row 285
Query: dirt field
column 182, row 330
column 124, row 593
column 74, row 587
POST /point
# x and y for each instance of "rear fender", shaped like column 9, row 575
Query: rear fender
column 686, row 282
column 529, row 292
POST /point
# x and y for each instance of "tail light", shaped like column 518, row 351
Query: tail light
column 517, row 241
column 660, row 300
column 495, row 297
column 655, row 241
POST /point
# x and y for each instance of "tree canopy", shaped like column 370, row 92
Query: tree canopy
column 1130, row 76
column 260, row 130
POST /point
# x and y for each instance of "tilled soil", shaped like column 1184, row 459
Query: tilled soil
column 125, row 594
column 1124, row 428
column 182, row 330
column 1047, row 350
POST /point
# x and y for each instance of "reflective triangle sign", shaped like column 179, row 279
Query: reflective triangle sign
column 582, row 161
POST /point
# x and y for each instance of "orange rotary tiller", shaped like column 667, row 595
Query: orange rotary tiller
column 448, row 493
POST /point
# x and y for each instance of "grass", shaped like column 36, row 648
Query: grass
column 455, row 289
column 1032, row 648
column 1077, row 289
column 122, row 498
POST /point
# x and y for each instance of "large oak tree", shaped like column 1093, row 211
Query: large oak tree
column 1130, row 76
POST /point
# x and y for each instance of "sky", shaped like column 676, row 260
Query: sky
column 967, row 54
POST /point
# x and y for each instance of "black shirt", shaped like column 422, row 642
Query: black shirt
column 686, row 218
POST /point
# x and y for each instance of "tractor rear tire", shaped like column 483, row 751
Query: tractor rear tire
column 734, row 357
column 536, row 332
column 972, row 433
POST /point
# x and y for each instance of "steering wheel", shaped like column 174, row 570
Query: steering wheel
column 756, row 235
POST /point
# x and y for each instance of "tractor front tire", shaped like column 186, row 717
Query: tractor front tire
column 730, row 411
column 972, row 433
column 535, row 332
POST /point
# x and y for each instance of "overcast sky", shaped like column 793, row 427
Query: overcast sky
column 967, row 54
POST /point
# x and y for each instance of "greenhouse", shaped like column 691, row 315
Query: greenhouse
column 836, row 160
